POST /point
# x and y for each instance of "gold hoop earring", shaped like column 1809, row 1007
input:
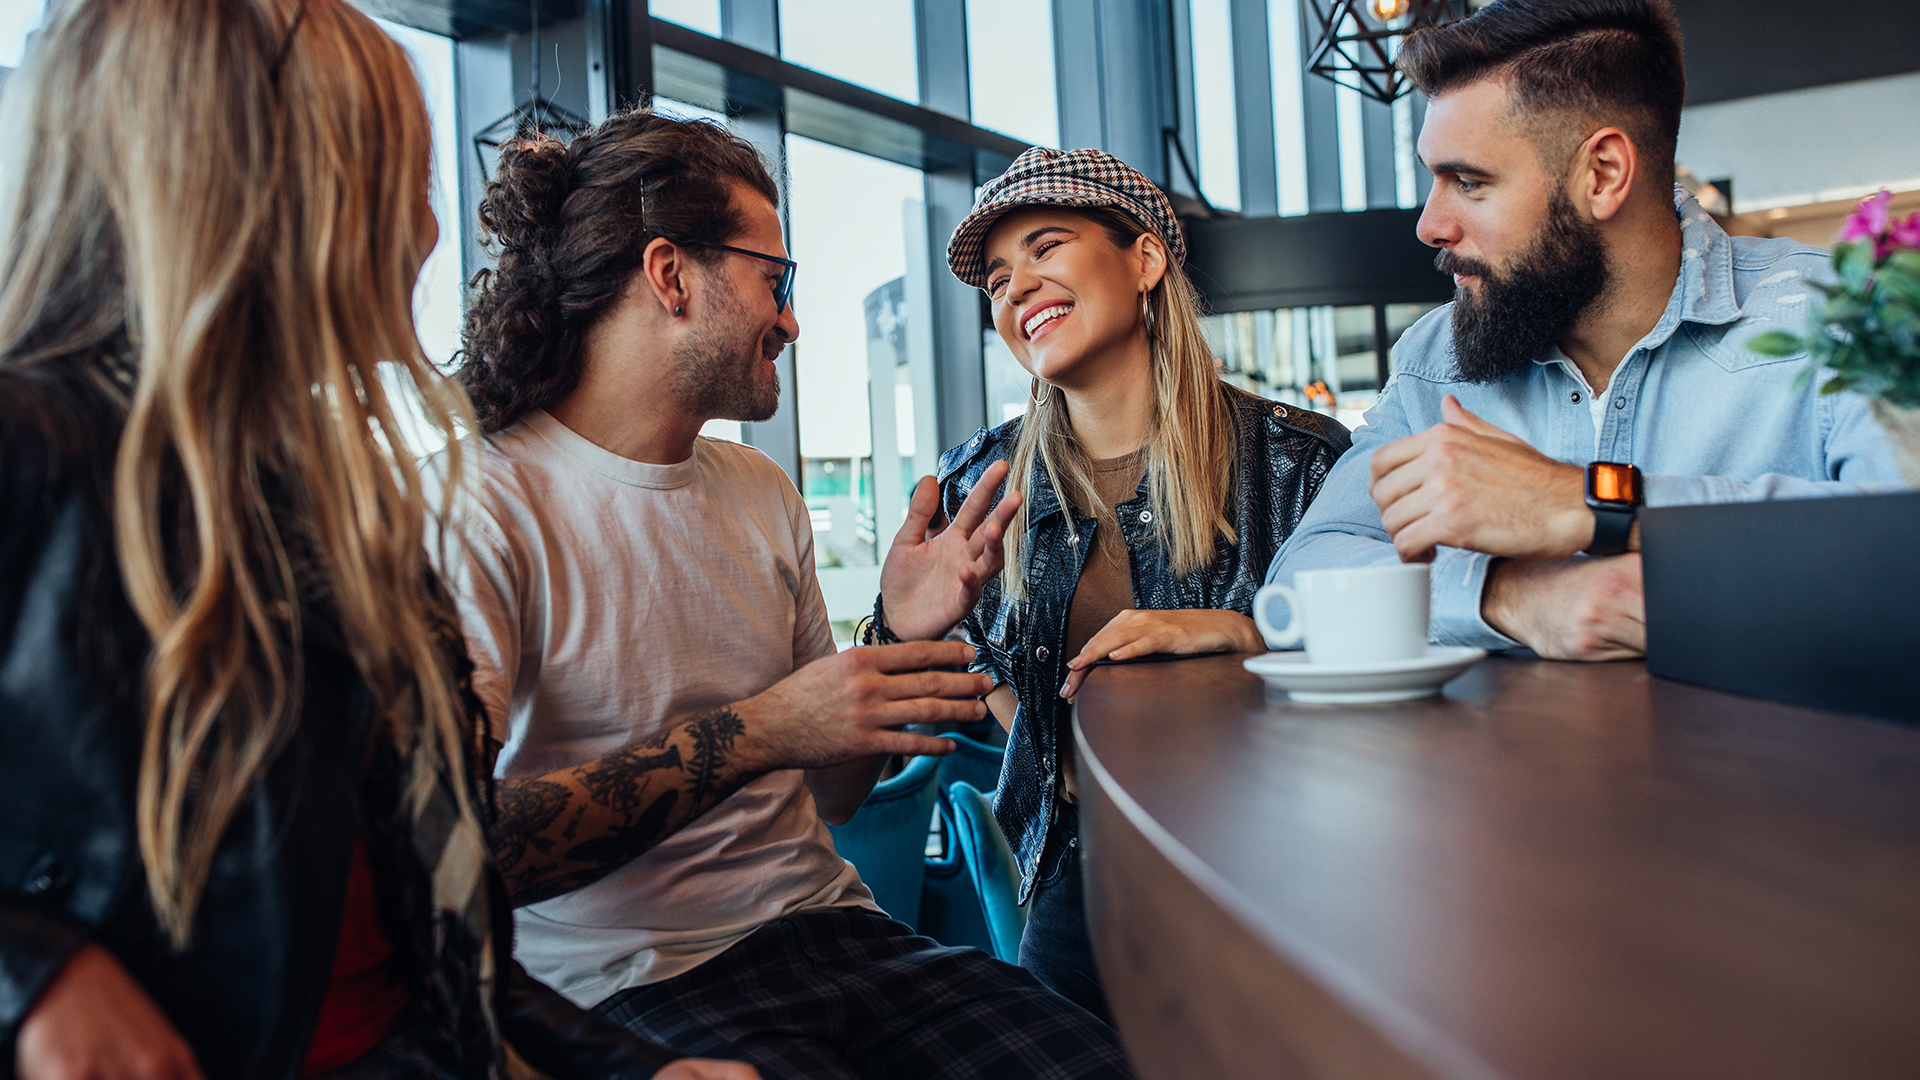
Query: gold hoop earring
column 1146, row 312
column 1040, row 400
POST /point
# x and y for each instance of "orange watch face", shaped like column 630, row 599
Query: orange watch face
column 1614, row 483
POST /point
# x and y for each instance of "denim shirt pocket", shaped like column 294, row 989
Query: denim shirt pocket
column 1726, row 345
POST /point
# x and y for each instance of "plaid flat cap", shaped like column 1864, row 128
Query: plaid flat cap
column 1043, row 177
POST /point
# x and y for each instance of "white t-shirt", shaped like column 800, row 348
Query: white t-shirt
column 605, row 599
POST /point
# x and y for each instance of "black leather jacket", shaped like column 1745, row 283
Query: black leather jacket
column 246, row 993
column 1284, row 454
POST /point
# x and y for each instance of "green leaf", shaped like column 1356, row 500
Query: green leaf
column 1854, row 261
column 1900, row 285
column 1906, row 262
column 1777, row 343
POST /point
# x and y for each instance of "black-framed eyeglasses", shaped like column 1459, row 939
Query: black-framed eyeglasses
column 783, row 292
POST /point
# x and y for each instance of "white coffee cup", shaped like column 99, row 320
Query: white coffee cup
column 1357, row 615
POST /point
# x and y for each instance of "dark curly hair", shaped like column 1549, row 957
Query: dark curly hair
column 568, row 223
column 1605, row 61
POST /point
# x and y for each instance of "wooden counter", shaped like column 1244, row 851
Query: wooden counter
column 1556, row 871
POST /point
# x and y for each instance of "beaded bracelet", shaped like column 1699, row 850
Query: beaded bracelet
column 873, row 629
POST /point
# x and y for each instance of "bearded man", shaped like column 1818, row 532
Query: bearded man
column 1596, row 339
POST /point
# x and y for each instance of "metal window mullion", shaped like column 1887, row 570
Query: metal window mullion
column 1321, row 123
column 1178, row 100
column 620, row 42
column 1376, row 134
column 1253, row 107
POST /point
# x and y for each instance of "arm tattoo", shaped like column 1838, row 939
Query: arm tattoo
column 565, row 830
column 526, row 809
column 713, row 736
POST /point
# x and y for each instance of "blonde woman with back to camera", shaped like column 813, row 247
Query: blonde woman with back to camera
column 1155, row 495
column 240, row 828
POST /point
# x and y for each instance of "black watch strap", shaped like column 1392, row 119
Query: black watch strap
column 1612, row 529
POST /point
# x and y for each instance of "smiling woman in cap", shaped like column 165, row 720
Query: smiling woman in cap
column 1154, row 494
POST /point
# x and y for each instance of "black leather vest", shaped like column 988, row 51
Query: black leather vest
column 1284, row 455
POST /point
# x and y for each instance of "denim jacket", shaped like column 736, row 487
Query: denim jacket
column 1705, row 418
column 1284, row 454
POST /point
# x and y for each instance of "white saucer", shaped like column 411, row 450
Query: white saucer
column 1355, row 684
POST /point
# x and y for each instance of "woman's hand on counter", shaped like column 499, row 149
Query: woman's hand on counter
column 1133, row 634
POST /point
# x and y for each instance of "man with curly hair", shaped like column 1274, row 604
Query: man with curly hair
column 651, row 641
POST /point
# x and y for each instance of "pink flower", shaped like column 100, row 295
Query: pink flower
column 1868, row 220
column 1903, row 235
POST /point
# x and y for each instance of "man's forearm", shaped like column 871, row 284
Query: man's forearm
column 571, row 827
column 840, row 790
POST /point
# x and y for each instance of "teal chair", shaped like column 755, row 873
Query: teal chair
column 973, row 761
column 886, row 840
column 988, row 858
column 951, row 911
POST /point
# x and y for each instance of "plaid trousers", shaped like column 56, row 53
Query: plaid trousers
column 846, row 993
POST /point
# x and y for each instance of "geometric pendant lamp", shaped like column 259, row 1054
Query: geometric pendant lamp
column 1358, row 40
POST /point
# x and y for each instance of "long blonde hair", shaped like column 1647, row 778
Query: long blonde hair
column 234, row 191
column 1191, row 447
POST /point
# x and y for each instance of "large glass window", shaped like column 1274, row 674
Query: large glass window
column 437, row 295
column 701, row 15
column 863, row 369
column 869, row 42
column 1353, row 147
column 1010, row 69
column 18, row 18
column 1009, row 386
column 1213, row 104
column 1324, row 358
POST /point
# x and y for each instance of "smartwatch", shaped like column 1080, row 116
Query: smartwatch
column 1613, row 494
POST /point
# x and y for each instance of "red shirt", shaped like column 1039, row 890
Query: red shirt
column 362, row 1002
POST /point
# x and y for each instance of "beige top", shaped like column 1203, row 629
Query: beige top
column 1105, row 588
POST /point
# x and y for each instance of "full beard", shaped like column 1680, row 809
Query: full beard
column 1519, row 315
column 719, row 376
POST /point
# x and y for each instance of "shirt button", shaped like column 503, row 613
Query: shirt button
column 1074, row 540
column 1620, row 403
column 1280, row 411
column 1042, row 653
column 1576, row 397
column 1146, row 517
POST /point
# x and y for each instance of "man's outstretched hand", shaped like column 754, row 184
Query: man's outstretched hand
column 1467, row 484
column 934, row 572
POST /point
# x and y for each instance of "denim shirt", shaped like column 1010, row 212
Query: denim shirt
column 1705, row 419
column 1284, row 453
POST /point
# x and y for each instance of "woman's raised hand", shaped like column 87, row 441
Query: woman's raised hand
column 935, row 570
column 1133, row 634
column 95, row 1023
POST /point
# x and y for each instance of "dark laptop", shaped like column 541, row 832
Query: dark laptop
column 1810, row 601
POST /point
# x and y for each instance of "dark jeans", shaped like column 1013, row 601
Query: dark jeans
column 1056, row 946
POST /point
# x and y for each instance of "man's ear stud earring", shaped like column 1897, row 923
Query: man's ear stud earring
column 679, row 310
